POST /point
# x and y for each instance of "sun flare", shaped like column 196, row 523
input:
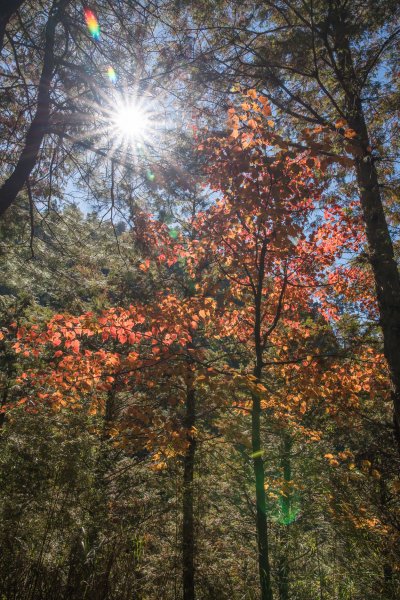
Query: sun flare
column 131, row 121
column 132, row 126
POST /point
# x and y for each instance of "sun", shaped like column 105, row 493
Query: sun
column 131, row 126
column 132, row 122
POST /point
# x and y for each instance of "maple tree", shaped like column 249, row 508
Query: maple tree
column 274, row 259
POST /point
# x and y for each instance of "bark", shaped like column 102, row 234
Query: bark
column 389, row 587
column 283, row 562
column 261, row 508
column 386, row 275
column 7, row 9
column 40, row 122
column 188, row 546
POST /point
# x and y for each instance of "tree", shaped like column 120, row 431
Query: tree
column 321, row 64
column 66, row 133
column 162, row 351
column 40, row 122
column 175, row 386
column 256, row 241
column 264, row 242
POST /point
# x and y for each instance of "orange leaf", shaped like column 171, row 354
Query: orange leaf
column 340, row 123
column 75, row 346
column 350, row 134
column 266, row 110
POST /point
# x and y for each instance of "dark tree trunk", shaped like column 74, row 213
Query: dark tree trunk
column 386, row 275
column 40, row 122
column 7, row 9
column 389, row 587
column 188, row 546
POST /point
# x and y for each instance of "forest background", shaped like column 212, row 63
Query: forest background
column 200, row 300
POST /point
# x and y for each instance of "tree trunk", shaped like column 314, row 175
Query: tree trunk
column 261, row 508
column 386, row 275
column 39, row 125
column 188, row 548
column 389, row 587
column 7, row 9
column 258, row 463
column 283, row 562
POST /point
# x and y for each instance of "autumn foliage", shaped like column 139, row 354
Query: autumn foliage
column 267, row 262
column 247, row 312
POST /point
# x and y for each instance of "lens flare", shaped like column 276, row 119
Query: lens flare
column 150, row 175
column 92, row 23
column 111, row 74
